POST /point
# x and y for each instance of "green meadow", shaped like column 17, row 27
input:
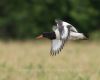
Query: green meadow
column 30, row 60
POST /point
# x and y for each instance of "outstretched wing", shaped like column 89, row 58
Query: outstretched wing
column 64, row 31
column 60, row 27
column 58, row 43
column 56, row 46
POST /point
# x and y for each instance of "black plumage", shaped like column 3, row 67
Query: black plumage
column 49, row 35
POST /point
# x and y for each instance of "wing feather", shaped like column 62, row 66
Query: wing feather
column 62, row 29
column 72, row 28
column 56, row 46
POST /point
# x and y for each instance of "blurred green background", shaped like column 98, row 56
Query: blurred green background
column 24, row 19
column 30, row 59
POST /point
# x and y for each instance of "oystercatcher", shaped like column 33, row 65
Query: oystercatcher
column 62, row 32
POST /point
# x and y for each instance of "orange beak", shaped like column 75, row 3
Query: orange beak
column 39, row 37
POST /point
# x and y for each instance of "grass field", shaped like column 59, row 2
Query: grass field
column 30, row 60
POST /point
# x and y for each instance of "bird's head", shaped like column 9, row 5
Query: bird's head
column 43, row 35
column 49, row 35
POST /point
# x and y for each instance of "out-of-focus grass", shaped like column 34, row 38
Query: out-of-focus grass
column 95, row 36
column 30, row 60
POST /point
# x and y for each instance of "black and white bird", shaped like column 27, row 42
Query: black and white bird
column 61, row 33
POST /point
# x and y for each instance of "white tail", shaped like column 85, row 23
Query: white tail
column 75, row 36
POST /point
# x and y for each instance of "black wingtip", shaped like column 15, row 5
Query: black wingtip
column 52, row 53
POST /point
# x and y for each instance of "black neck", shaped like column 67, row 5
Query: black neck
column 49, row 35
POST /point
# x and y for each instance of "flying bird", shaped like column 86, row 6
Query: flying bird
column 61, row 33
